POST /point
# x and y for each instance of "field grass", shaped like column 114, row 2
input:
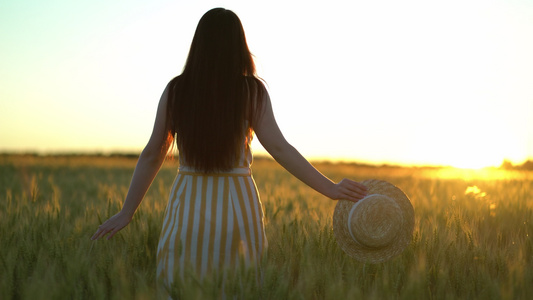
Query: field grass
column 472, row 237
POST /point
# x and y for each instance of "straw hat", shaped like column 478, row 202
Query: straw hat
column 377, row 227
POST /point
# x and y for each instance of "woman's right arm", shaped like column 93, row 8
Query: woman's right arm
column 270, row 136
column 148, row 165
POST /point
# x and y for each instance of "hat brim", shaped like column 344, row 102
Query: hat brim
column 371, row 254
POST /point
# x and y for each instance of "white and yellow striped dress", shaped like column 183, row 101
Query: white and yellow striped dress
column 212, row 221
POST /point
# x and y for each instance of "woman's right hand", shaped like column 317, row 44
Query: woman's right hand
column 112, row 226
column 349, row 190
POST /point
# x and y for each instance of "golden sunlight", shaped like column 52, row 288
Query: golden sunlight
column 475, row 163
column 479, row 151
column 476, row 141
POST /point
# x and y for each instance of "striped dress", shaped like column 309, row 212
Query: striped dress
column 212, row 222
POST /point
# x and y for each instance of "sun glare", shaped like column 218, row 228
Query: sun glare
column 473, row 140
column 475, row 162
column 474, row 156
column 477, row 153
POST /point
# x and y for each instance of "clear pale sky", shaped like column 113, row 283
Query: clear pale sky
column 404, row 82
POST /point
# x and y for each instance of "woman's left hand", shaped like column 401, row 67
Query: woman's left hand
column 112, row 226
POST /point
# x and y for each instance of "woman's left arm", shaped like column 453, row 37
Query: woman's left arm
column 148, row 165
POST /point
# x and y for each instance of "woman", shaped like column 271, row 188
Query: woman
column 214, row 217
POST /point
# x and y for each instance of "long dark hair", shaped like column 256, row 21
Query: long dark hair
column 214, row 102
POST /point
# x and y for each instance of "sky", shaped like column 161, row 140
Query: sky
column 400, row 82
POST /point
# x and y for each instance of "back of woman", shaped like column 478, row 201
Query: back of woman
column 214, row 217
column 212, row 125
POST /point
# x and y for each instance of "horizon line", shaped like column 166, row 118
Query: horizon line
column 362, row 162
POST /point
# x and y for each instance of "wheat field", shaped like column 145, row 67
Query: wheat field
column 472, row 237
